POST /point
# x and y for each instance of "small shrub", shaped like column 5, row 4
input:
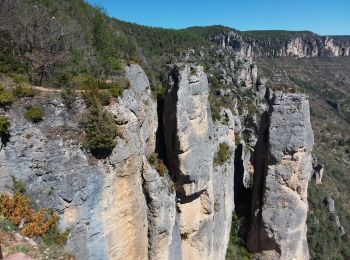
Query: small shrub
column 157, row 164
column 236, row 249
column 68, row 97
column 34, row 114
column 158, row 90
column 215, row 106
column 6, row 98
column 7, row 225
column 95, row 95
column 22, row 91
column 2, row 87
column 83, row 82
column 18, row 185
column 18, row 78
column 104, row 97
column 91, row 96
column 116, row 91
column 4, row 125
column 223, row 154
column 238, row 139
column 100, row 130
column 55, row 237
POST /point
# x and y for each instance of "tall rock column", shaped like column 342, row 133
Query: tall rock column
column 204, row 192
column 278, row 224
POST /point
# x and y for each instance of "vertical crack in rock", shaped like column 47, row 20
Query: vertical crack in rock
column 242, row 195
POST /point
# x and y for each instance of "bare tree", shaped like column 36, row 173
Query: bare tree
column 42, row 41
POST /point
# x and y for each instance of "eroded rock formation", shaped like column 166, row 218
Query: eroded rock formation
column 279, row 209
column 204, row 191
column 122, row 208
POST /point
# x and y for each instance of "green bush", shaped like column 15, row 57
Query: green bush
column 215, row 106
column 2, row 87
column 223, row 154
column 236, row 249
column 18, row 78
column 4, row 125
column 6, row 98
column 157, row 164
column 18, row 185
column 100, row 130
column 68, row 97
column 6, row 225
column 55, row 237
column 158, row 90
column 34, row 114
column 22, row 91
column 238, row 138
column 104, row 97
column 116, row 91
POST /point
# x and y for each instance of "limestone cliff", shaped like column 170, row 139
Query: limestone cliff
column 279, row 206
column 122, row 208
column 204, row 191
column 101, row 200
column 282, row 44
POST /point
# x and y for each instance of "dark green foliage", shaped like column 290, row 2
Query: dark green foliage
column 6, row 98
column 94, row 96
column 55, row 237
column 322, row 230
column 4, row 125
column 104, row 97
column 22, row 91
column 215, row 106
column 100, row 129
column 6, row 225
column 158, row 90
column 69, row 97
column 18, row 185
column 116, row 91
column 34, row 114
column 223, row 154
column 236, row 249
column 19, row 78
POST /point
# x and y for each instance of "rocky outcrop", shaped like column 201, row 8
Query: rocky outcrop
column 120, row 207
column 204, row 191
column 234, row 40
column 278, row 221
column 101, row 200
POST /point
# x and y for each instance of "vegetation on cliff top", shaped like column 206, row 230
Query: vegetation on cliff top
column 100, row 129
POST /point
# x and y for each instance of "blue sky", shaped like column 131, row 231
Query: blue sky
column 324, row 17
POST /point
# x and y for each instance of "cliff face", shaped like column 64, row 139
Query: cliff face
column 102, row 201
column 305, row 45
column 278, row 221
column 122, row 208
column 204, row 191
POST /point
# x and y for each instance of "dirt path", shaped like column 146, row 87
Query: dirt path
column 53, row 90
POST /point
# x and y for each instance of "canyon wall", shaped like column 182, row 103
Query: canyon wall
column 305, row 45
column 122, row 208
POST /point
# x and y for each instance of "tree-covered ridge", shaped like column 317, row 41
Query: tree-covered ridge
column 53, row 41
